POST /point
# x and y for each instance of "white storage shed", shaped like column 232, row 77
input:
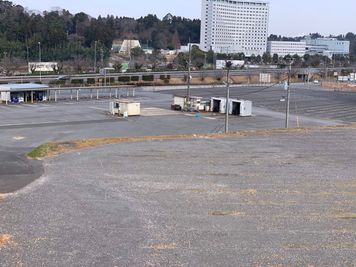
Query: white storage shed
column 125, row 108
column 242, row 108
column 218, row 105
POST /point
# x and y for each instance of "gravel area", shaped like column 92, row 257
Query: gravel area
column 281, row 200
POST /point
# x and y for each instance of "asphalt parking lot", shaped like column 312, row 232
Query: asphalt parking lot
column 25, row 126
column 280, row 200
column 309, row 102
column 274, row 200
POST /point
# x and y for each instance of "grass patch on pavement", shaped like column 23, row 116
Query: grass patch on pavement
column 347, row 216
column 56, row 148
column 43, row 150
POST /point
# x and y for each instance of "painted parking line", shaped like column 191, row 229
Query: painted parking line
column 101, row 109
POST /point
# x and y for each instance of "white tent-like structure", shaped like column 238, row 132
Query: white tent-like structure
column 127, row 45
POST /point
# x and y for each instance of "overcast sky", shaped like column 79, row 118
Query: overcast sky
column 288, row 17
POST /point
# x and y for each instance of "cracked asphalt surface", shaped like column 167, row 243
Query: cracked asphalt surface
column 280, row 200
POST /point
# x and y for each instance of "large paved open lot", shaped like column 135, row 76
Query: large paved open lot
column 263, row 200
column 284, row 199
column 26, row 126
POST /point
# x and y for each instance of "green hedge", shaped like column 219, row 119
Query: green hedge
column 91, row 81
column 148, row 78
column 57, row 82
column 77, row 81
column 135, row 78
column 124, row 79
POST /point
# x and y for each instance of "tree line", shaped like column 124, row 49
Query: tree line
column 64, row 36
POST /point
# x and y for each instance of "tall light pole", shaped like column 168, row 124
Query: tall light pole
column 95, row 44
column 288, row 95
column 189, row 104
column 227, row 106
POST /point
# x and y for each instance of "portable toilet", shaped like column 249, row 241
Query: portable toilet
column 242, row 108
column 218, row 105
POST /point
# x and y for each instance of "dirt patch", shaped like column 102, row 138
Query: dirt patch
column 249, row 191
column 163, row 246
column 56, row 148
column 227, row 213
column 198, row 190
column 6, row 241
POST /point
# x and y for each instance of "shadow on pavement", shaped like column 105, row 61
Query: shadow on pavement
column 16, row 170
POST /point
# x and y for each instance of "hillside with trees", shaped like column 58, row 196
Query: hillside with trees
column 70, row 37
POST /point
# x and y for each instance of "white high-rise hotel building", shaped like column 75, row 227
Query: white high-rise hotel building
column 234, row 26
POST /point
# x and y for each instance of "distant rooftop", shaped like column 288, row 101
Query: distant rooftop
column 22, row 87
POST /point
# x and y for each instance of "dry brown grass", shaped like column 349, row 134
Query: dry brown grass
column 56, row 148
column 169, row 246
column 249, row 191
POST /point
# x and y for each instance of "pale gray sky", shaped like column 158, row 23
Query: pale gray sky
column 288, row 17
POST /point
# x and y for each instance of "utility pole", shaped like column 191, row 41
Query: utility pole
column 227, row 106
column 189, row 104
column 27, row 51
column 95, row 44
column 40, row 58
column 326, row 69
column 39, row 52
column 288, row 94
column 102, row 56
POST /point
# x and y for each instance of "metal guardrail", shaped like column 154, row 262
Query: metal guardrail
column 171, row 73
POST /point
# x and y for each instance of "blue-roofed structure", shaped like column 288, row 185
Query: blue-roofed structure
column 26, row 92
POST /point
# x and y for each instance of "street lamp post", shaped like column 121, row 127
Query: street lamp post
column 288, row 95
column 227, row 106
column 188, row 101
